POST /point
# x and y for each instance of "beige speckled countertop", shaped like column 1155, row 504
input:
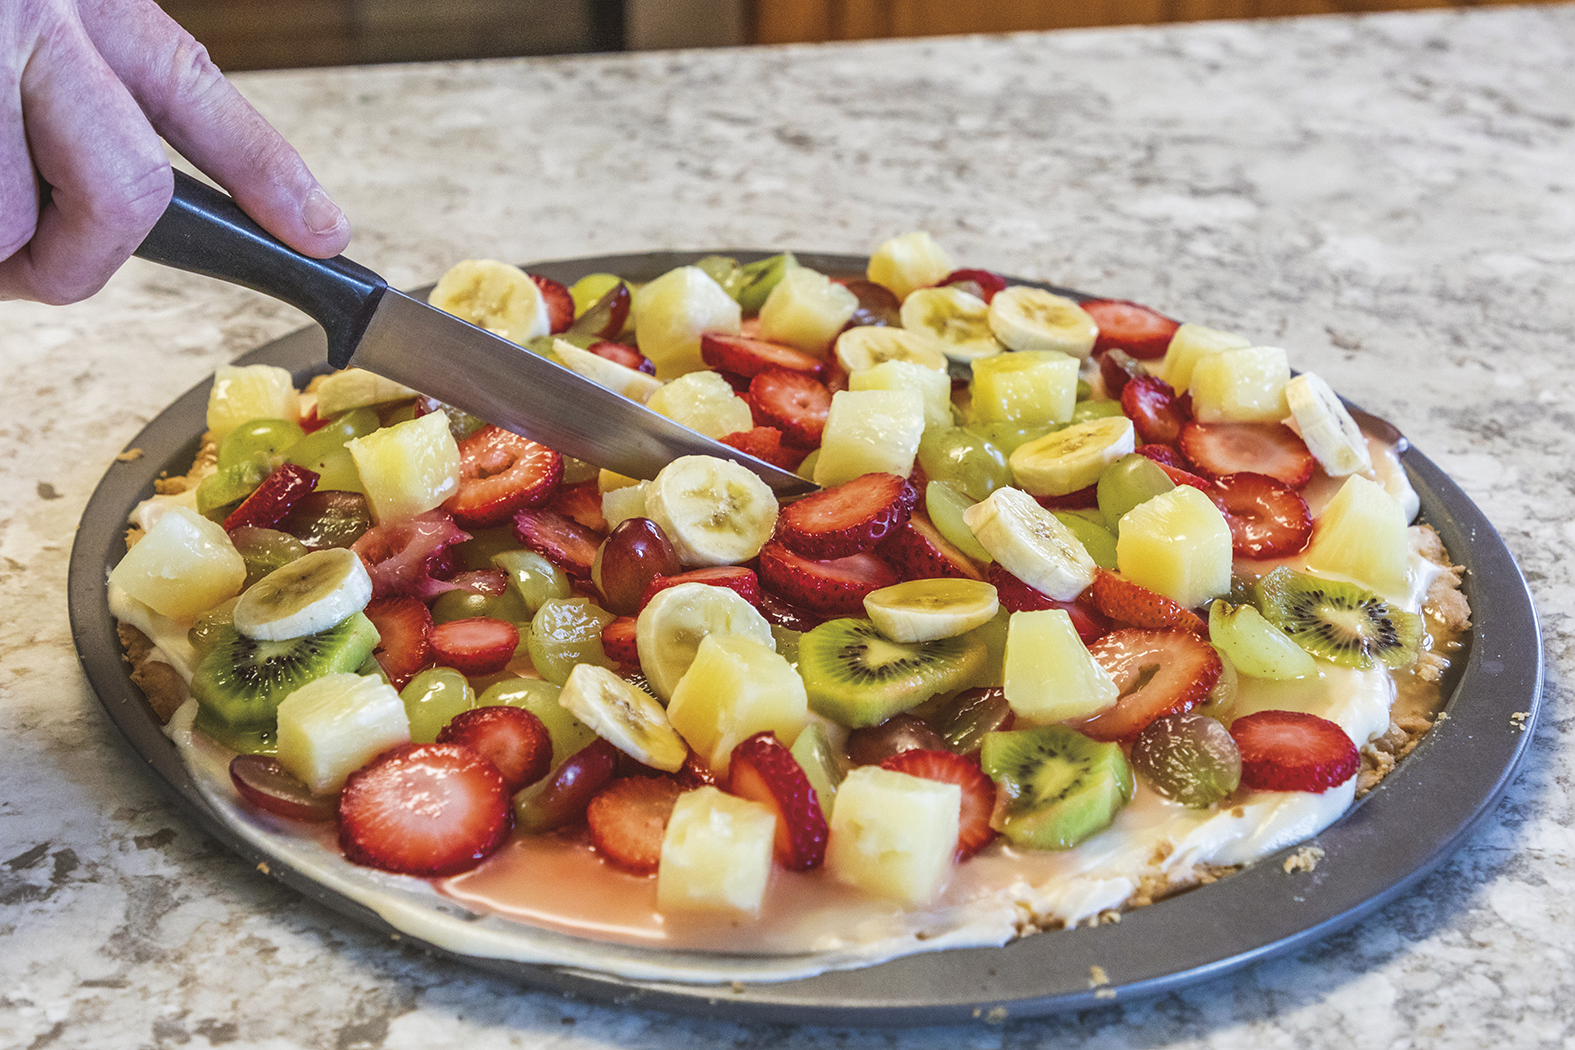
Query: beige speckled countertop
column 1391, row 197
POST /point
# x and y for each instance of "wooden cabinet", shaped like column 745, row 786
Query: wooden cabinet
column 789, row 21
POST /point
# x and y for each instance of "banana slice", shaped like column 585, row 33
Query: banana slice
column 624, row 715
column 668, row 631
column 928, row 610
column 357, row 388
column 310, row 594
column 1328, row 430
column 620, row 379
column 1031, row 544
column 1027, row 318
column 869, row 345
column 714, row 511
column 1072, row 458
column 958, row 321
column 495, row 296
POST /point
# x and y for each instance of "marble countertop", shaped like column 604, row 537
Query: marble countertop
column 1390, row 197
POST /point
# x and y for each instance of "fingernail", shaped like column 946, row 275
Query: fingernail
column 321, row 214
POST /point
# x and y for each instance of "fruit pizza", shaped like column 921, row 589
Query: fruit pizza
column 1089, row 607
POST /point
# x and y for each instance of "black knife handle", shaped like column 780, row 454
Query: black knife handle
column 206, row 232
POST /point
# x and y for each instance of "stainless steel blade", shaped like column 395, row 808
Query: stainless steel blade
column 503, row 383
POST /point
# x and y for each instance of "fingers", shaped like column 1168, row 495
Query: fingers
column 108, row 176
column 202, row 115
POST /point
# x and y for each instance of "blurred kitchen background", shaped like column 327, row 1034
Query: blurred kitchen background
column 266, row 34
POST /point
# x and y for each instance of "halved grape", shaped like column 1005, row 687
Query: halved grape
column 964, row 719
column 432, row 699
column 964, row 460
column 328, row 519
column 1127, row 482
column 560, row 797
column 872, row 745
column 945, row 504
column 268, row 436
column 262, row 781
column 1190, row 758
column 565, row 632
column 310, row 451
column 634, row 553
column 264, row 550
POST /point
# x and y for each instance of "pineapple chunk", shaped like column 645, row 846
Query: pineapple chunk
column 334, row 725
column 627, row 501
column 357, row 388
column 806, row 310
column 182, row 566
column 1178, row 545
column 1029, row 388
column 867, row 432
column 702, row 401
column 1190, row 344
column 673, row 311
column 716, row 853
column 408, row 468
column 246, row 392
column 935, row 388
column 894, row 835
column 1361, row 535
column 1241, row 386
column 735, row 688
column 909, row 262
column 1050, row 676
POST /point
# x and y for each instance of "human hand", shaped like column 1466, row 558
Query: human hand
column 87, row 87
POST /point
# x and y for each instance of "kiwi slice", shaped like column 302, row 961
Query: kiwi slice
column 1056, row 786
column 858, row 677
column 1338, row 621
column 241, row 681
column 757, row 279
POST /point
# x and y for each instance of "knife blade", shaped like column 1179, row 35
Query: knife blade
column 372, row 326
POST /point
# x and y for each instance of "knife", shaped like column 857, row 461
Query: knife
column 372, row 326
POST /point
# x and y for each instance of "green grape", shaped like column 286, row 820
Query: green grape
column 566, row 632
column 264, row 550
column 1083, row 392
column 1009, row 437
column 1190, row 758
column 1127, row 482
column 1098, row 541
column 815, row 754
column 477, row 552
column 588, row 289
column 311, row 450
column 723, row 271
column 945, row 505
column 568, row 733
column 963, row 459
column 268, row 436
column 462, row 605
column 210, row 626
column 432, row 698
column 224, row 488
column 534, row 577
column 1086, row 410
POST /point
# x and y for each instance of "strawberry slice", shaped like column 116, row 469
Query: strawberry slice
column 623, row 354
column 1267, row 519
column 918, row 551
column 830, row 588
column 628, row 819
column 792, row 402
column 1293, row 751
column 847, row 519
column 561, row 540
column 1117, row 368
column 1125, row 602
column 403, row 626
column 766, row 443
column 764, row 771
column 1262, row 448
column 560, row 304
column 511, row 738
column 783, row 613
column 618, row 642
column 750, row 357
column 402, row 556
column 1186, row 477
column 500, row 472
column 1158, row 673
column 978, row 792
column 983, row 283
column 1141, row 332
column 1154, row 409
column 477, row 645
column 1016, row 596
column 582, row 503
column 272, row 501
column 740, row 579
column 423, row 809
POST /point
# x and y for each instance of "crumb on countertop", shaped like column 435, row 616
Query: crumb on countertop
column 1097, row 976
column 129, row 456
